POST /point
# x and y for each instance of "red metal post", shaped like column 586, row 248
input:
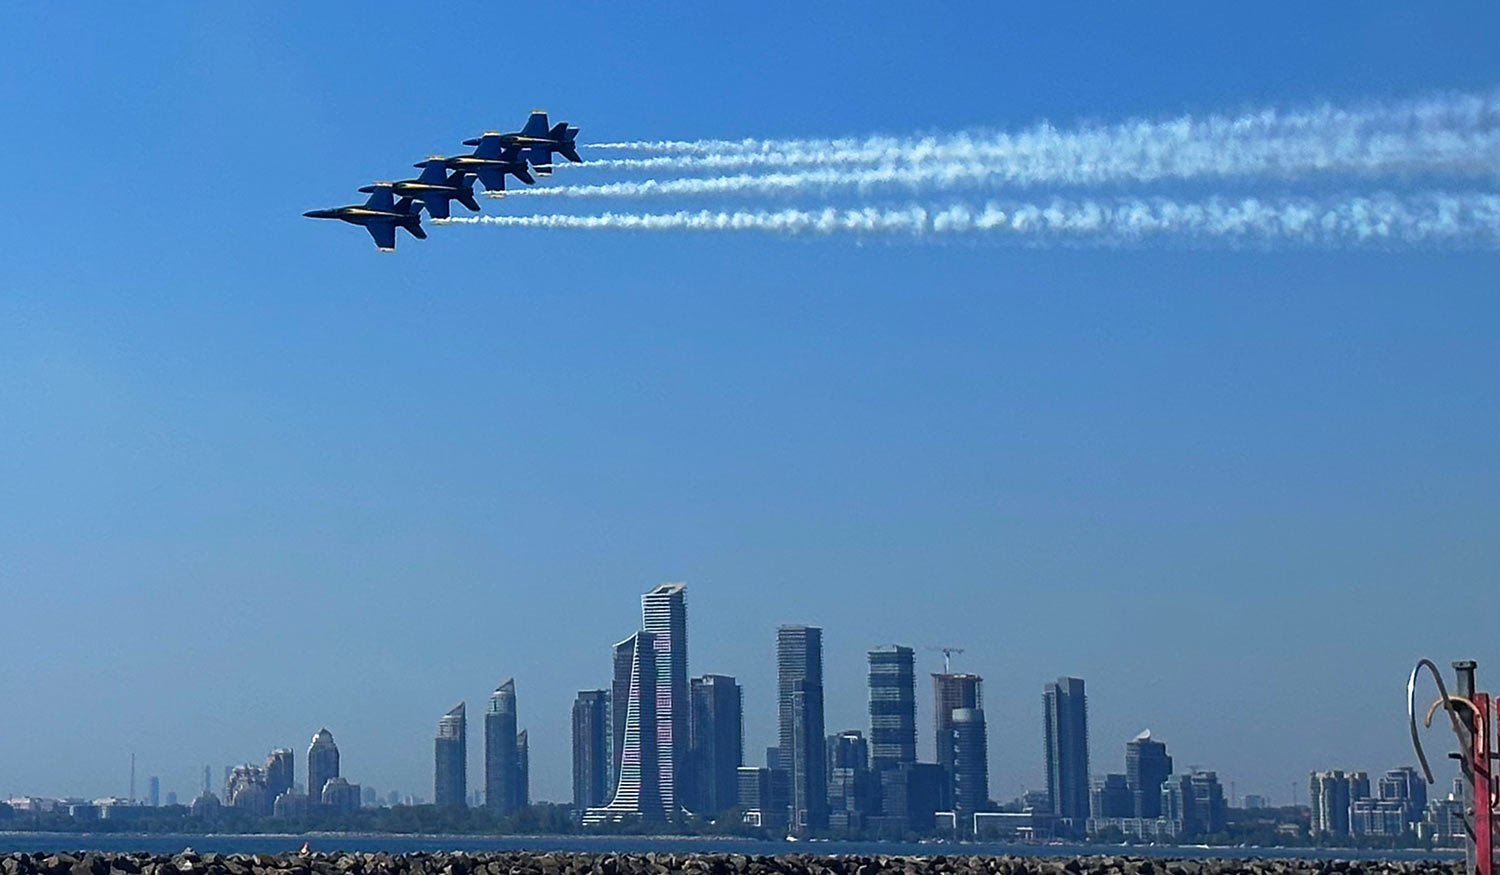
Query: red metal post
column 1484, row 816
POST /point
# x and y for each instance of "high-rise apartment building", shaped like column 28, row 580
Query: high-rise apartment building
column 1147, row 766
column 1195, row 802
column 664, row 614
column 971, row 766
column 281, row 772
column 1067, row 749
column 153, row 791
column 851, row 794
column 716, row 733
column 799, row 688
column 523, row 771
column 590, row 749
column 450, row 784
column 322, row 763
column 624, row 670
column 893, row 707
column 1328, row 799
column 500, row 765
column 951, row 691
column 637, row 793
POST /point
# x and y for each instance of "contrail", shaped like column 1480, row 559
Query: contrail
column 1456, row 133
column 1465, row 219
column 1478, row 156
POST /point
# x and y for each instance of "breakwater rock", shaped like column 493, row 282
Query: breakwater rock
column 529, row 863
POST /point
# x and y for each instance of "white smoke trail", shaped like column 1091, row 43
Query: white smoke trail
column 1469, row 219
column 1034, row 170
column 1456, row 133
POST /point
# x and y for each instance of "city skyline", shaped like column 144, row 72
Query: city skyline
column 890, row 679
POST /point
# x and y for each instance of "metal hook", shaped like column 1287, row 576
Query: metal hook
column 1447, row 703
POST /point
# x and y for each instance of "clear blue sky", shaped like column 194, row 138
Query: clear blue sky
column 256, row 478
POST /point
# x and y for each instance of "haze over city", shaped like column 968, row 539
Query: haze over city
column 257, row 479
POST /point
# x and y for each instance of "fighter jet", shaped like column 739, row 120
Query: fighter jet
column 491, row 161
column 538, row 142
column 380, row 216
column 436, row 187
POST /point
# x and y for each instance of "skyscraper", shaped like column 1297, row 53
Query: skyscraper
column 971, row 766
column 590, row 749
column 450, row 781
column 950, row 691
column 799, row 688
column 281, row 772
column 153, row 791
column 637, row 793
column 1147, row 766
column 624, row 670
column 1067, row 749
column 523, row 771
column 500, row 749
column 664, row 615
column 893, row 707
column 716, row 733
column 809, row 776
column 322, row 763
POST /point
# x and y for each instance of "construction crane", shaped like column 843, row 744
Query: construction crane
column 947, row 656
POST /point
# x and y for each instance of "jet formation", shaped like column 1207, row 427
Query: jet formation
column 524, row 154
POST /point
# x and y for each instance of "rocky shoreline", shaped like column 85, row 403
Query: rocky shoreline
column 532, row 863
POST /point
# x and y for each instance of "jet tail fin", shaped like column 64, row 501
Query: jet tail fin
column 467, row 199
column 520, row 172
column 568, row 151
column 536, row 125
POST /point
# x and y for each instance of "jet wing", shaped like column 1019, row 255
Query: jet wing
column 384, row 234
column 437, row 205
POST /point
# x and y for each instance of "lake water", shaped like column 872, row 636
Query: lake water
column 277, row 844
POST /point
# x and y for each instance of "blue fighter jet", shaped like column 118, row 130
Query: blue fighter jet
column 380, row 215
column 436, row 187
column 538, row 142
column 491, row 161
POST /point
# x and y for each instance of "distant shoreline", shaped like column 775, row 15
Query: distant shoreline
column 29, row 841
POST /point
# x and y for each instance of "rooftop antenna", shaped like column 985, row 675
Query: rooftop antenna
column 947, row 656
column 132, row 777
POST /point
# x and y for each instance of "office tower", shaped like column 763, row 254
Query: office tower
column 1359, row 785
column 171, row 797
column 624, row 669
column 523, row 771
column 322, row 763
column 153, row 791
column 851, row 797
column 808, row 773
column 281, row 772
column 1146, row 767
column 590, row 749
column 950, row 691
column 450, row 770
column 1067, row 749
column 1195, row 803
column 716, row 737
column 893, row 707
column 799, row 688
column 207, row 780
column 971, row 766
column 500, row 750
column 664, row 614
column 637, row 793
